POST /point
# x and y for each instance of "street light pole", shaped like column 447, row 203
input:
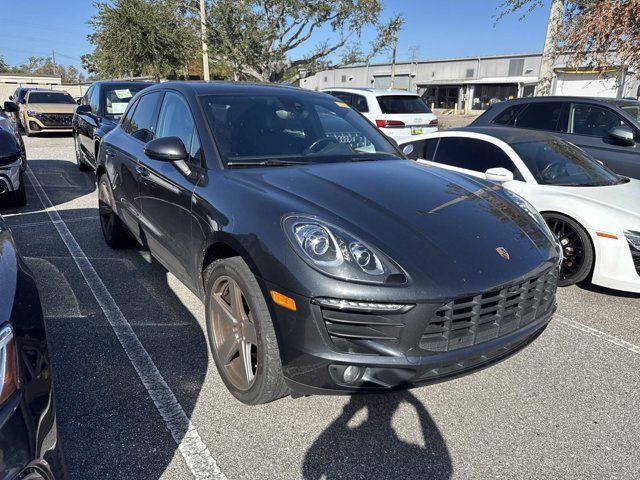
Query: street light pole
column 203, row 30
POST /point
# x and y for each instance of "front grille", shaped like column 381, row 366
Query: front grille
column 56, row 119
column 468, row 321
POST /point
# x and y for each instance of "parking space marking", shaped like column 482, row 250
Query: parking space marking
column 194, row 451
column 598, row 334
column 48, row 222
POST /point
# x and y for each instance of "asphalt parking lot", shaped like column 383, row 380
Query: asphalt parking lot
column 565, row 407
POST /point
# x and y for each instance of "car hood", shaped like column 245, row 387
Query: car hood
column 623, row 197
column 440, row 226
column 51, row 107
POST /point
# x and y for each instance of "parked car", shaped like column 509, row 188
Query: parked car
column 46, row 111
column 13, row 163
column 606, row 128
column 326, row 260
column 98, row 113
column 28, row 434
column 18, row 98
column 593, row 212
column 396, row 113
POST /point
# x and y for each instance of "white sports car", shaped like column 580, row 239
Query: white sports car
column 594, row 213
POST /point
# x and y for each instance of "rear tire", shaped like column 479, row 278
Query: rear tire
column 114, row 232
column 576, row 248
column 263, row 381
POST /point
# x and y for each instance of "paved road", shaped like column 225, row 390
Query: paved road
column 566, row 407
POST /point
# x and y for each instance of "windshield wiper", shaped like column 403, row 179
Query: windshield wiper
column 271, row 162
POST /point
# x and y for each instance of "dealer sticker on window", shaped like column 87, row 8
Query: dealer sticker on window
column 123, row 93
column 342, row 104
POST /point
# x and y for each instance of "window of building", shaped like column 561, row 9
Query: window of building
column 516, row 67
column 592, row 120
column 470, row 72
column 540, row 116
column 343, row 79
column 473, row 154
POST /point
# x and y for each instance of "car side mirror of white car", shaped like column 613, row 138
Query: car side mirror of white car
column 499, row 175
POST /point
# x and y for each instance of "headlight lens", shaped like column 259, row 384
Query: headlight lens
column 633, row 238
column 339, row 254
column 8, row 370
column 533, row 213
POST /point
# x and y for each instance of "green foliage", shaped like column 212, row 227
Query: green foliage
column 258, row 39
column 4, row 66
column 44, row 66
column 141, row 37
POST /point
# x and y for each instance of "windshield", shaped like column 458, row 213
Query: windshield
column 287, row 128
column 557, row 162
column 402, row 104
column 633, row 110
column 50, row 97
column 117, row 97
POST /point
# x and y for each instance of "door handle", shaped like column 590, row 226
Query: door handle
column 142, row 171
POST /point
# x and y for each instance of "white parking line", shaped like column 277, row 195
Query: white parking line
column 193, row 450
column 597, row 333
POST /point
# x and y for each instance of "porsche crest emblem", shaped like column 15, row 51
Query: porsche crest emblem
column 503, row 253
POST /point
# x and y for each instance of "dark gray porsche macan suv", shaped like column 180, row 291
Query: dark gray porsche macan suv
column 327, row 262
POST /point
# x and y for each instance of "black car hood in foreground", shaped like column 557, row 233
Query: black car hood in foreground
column 441, row 227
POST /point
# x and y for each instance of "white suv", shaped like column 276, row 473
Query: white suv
column 395, row 112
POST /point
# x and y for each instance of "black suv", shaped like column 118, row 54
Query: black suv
column 98, row 112
column 607, row 128
column 326, row 260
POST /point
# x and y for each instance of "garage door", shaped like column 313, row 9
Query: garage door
column 587, row 85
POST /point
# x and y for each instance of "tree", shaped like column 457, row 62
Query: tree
column 259, row 39
column 140, row 37
column 591, row 33
column 4, row 66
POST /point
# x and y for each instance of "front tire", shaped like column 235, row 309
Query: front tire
column 113, row 231
column 82, row 166
column 576, row 248
column 241, row 335
column 17, row 198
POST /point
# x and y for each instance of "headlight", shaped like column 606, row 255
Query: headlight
column 633, row 238
column 336, row 253
column 533, row 213
column 8, row 370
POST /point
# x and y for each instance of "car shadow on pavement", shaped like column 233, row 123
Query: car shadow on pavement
column 589, row 287
column 372, row 448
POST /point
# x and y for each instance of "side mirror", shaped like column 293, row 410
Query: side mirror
column 79, row 101
column 11, row 107
column 623, row 135
column 83, row 109
column 169, row 149
column 10, row 97
column 499, row 175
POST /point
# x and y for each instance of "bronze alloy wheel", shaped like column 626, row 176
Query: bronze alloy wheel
column 234, row 333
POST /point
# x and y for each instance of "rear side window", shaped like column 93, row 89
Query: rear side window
column 473, row 154
column 344, row 96
column 402, row 104
column 143, row 120
column 360, row 103
column 508, row 116
column 540, row 116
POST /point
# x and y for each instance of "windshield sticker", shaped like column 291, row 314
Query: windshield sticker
column 342, row 104
column 123, row 93
column 117, row 108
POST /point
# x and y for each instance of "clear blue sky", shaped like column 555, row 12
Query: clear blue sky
column 440, row 28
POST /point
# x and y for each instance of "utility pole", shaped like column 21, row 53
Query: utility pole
column 203, row 31
column 393, row 62
column 550, row 48
column 53, row 58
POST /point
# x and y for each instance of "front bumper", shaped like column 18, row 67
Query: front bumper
column 49, row 123
column 614, row 264
column 386, row 351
